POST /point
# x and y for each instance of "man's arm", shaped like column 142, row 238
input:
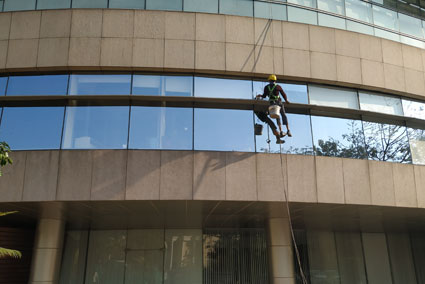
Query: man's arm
column 282, row 92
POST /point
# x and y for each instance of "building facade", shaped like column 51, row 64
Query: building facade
column 135, row 158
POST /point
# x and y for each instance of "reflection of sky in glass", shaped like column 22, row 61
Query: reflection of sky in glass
column 270, row 11
column 34, row 128
column 53, row 4
column 127, row 4
column 334, row 97
column 161, row 128
column 3, row 83
column 96, row 128
column 410, row 25
column 37, row 85
column 386, row 142
column 358, row 10
column 236, row 7
column 13, row 5
column 99, row 84
column 175, row 5
column 417, row 145
column 414, row 109
column 334, row 6
column 378, row 103
column 385, row 18
column 206, row 6
column 89, row 3
column 296, row 93
column 302, row 16
column 308, row 3
column 338, row 137
column 299, row 143
column 224, row 130
column 222, row 88
column 154, row 85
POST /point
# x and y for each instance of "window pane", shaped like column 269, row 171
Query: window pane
column 270, row 11
column 299, row 143
column 344, row 139
column 32, row 128
column 99, row 84
column 414, row 109
column 385, row 18
column 53, row 4
column 334, row 97
column 307, row 3
column 37, row 85
column 386, row 35
column 412, row 42
column 127, row 4
column 223, row 88
column 106, row 257
column 153, row 85
column 417, row 144
column 358, row 10
column 96, row 128
column 161, row 128
column 1, row 5
column 410, row 25
column 378, row 103
column 207, row 6
column 74, row 257
column 3, row 83
column 376, row 258
column 183, row 256
column 403, row 269
column 89, row 3
column 334, row 6
column 302, row 16
column 386, row 142
column 331, row 21
column 237, row 7
column 175, row 5
column 224, row 130
column 17, row 5
column 359, row 28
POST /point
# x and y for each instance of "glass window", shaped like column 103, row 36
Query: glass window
column 37, row 85
column 296, row 93
column 206, row 6
column 106, row 257
column 153, row 85
column 358, row 10
column 270, row 11
column 74, row 257
column 344, row 139
column 1, row 5
column 223, row 88
column 331, row 21
column 53, row 4
column 237, row 7
column 410, row 25
column 300, row 142
column 376, row 258
column 223, row 130
column 99, row 84
column 386, row 34
column 302, row 16
column 385, row 18
column 403, row 269
column 417, row 144
column 96, row 128
column 334, row 97
column 183, row 256
column 414, row 109
column 18, row 5
column 307, row 3
column 386, row 142
column 89, row 3
column 334, row 6
column 377, row 103
column 127, row 4
column 359, row 28
column 161, row 128
column 174, row 5
column 32, row 128
column 412, row 42
column 3, row 83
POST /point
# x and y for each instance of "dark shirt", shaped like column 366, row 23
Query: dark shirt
column 277, row 90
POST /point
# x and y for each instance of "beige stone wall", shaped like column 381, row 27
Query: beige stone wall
column 196, row 175
column 194, row 42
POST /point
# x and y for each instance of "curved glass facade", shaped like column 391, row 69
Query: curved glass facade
column 388, row 128
column 394, row 20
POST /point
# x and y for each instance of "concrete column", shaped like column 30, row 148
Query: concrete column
column 48, row 243
column 281, row 260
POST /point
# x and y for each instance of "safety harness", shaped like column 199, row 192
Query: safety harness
column 272, row 95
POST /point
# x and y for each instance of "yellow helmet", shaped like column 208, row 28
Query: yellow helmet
column 272, row 77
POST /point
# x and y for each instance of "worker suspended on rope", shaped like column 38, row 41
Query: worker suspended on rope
column 262, row 115
column 273, row 91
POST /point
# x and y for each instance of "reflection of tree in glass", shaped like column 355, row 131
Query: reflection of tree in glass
column 351, row 146
column 386, row 142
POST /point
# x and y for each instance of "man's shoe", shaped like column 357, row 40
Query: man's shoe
column 289, row 133
column 282, row 134
column 278, row 141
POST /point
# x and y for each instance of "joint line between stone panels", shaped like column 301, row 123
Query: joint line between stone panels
column 363, row 256
column 87, row 253
column 389, row 256
column 25, row 172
